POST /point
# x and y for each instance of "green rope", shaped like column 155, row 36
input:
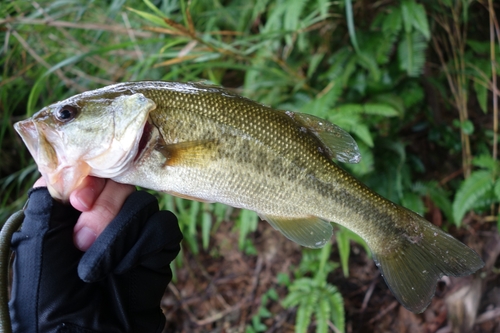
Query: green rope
column 10, row 226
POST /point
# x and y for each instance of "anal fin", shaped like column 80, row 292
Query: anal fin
column 307, row 231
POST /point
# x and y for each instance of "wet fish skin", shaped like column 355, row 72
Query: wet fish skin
column 205, row 143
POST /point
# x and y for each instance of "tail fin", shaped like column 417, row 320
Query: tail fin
column 413, row 268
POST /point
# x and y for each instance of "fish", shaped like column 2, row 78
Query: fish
column 206, row 143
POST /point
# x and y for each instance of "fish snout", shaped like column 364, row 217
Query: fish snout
column 29, row 133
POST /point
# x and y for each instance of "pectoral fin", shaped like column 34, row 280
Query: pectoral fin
column 188, row 153
column 188, row 197
column 338, row 143
column 308, row 231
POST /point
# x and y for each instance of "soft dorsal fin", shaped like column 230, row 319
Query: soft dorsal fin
column 307, row 231
column 338, row 143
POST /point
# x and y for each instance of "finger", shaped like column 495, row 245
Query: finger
column 84, row 197
column 93, row 221
column 40, row 183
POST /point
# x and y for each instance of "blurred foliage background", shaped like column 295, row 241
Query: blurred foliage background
column 414, row 82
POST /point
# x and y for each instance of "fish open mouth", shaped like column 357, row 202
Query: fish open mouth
column 145, row 139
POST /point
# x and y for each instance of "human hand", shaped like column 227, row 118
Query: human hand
column 116, row 286
column 99, row 200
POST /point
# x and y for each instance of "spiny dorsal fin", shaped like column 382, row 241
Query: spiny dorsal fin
column 338, row 143
column 307, row 231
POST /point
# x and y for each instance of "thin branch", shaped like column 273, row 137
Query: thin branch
column 95, row 60
column 68, row 82
column 493, row 78
column 131, row 35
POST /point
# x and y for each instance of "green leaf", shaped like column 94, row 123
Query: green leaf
column 344, row 250
column 154, row 8
column 362, row 132
column 470, row 192
column 283, row 279
column 419, row 19
column 393, row 22
column 264, row 313
column 393, row 100
column 440, row 198
column 206, row 225
column 323, row 7
column 411, row 53
column 292, row 14
column 497, row 189
column 348, row 109
column 350, row 24
column 313, row 64
column 413, row 202
column 311, row 301
column 369, row 62
column 481, row 95
column 273, row 294
column 322, row 315
column 466, row 126
column 324, row 256
column 337, row 304
column 479, row 47
column 149, row 17
column 320, row 106
column 380, row 109
column 406, row 7
column 247, row 223
column 257, row 325
column 486, row 161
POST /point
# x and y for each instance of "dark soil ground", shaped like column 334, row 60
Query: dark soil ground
column 221, row 293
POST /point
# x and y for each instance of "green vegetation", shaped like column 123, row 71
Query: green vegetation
column 414, row 82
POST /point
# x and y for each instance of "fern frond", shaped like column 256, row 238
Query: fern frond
column 393, row 22
column 411, row 53
column 470, row 191
column 419, row 18
column 305, row 311
column 337, row 306
column 380, row 109
column 322, row 315
column 487, row 162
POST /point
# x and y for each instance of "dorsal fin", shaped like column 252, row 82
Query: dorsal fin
column 338, row 143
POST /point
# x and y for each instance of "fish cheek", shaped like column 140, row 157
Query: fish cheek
column 47, row 156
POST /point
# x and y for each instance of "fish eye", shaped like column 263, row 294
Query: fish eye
column 66, row 113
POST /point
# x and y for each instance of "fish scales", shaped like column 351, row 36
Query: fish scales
column 254, row 127
column 205, row 143
column 241, row 133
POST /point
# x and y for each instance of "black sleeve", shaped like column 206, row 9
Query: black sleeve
column 116, row 286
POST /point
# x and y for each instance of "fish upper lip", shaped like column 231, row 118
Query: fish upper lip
column 28, row 131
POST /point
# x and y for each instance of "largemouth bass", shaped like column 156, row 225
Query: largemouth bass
column 205, row 143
